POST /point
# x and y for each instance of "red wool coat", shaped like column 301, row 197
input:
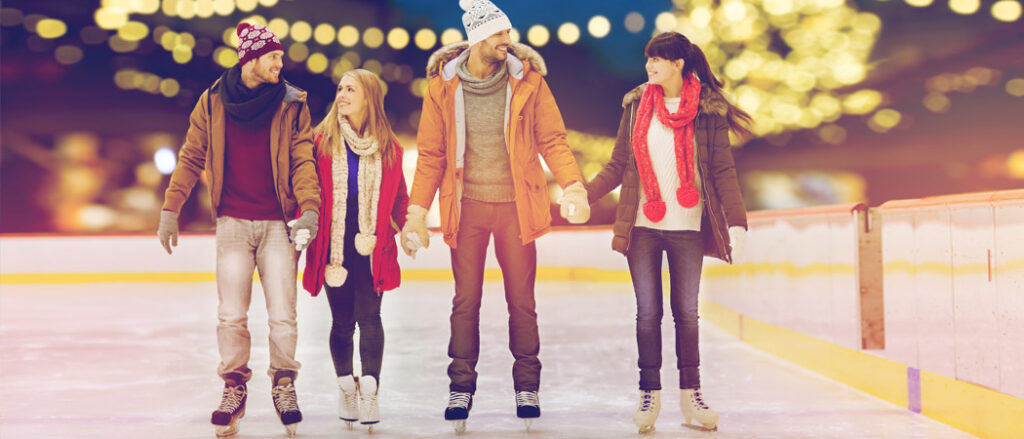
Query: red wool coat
column 390, row 219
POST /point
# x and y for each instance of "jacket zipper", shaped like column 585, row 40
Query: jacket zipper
column 277, row 192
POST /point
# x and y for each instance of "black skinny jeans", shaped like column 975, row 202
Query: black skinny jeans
column 355, row 302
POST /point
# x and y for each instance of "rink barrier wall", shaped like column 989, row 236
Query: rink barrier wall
column 950, row 287
column 48, row 259
column 968, row 407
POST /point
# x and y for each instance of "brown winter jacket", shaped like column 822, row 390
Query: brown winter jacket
column 717, row 171
column 534, row 127
column 291, row 146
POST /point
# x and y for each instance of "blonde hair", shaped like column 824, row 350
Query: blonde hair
column 377, row 124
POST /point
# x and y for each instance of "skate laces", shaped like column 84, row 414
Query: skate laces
column 284, row 398
column 699, row 400
column 351, row 398
column 646, row 400
column 231, row 399
column 369, row 404
column 527, row 398
column 458, row 399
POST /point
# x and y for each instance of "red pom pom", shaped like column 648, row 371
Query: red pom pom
column 654, row 210
column 687, row 196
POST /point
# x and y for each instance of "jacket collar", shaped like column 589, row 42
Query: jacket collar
column 291, row 92
column 711, row 101
column 521, row 58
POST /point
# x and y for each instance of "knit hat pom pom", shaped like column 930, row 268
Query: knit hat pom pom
column 241, row 26
column 687, row 196
column 654, row 210
column 466, row 4
column 365, row 242
column 335, row 275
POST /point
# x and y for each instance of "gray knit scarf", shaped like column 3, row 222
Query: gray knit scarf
column 488, row 85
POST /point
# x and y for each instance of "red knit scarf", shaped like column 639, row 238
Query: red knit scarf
column 681, row 123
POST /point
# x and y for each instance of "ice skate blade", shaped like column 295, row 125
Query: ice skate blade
column 700, row 427
column 460, row 425
column 226, row 430
column 232, row 428
column 290, row 429
column 529, row 423
column 348, row 424
column 646, row 429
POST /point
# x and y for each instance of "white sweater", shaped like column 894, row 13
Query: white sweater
column 661, row 146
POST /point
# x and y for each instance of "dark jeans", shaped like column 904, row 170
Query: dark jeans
column 351, row 303
column 518, row 268
column 685, row 256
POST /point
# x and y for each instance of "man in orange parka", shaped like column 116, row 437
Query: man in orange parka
column 487, row 115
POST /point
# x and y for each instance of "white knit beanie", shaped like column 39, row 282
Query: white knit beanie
column 482, row 19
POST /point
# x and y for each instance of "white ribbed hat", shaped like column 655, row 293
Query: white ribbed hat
column 482, row 19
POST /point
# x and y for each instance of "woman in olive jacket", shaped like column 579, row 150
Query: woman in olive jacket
column 680, row 196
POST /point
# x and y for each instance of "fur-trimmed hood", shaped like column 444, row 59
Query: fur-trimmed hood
column 711, row 101
column 521, row 58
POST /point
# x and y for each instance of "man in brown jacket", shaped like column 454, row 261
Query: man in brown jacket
column 487, row 115
column 250, row 134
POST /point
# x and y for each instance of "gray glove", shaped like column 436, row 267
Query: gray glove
column 307, row 222
column 168, row 230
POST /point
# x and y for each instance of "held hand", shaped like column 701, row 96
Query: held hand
column 573, row 204
column 411, row 243
column 415, row 234
column 168, row 230
column 301, row 239
column 303, row 229
column 738, row 242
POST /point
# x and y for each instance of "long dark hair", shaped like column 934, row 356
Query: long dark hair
column 672, row 46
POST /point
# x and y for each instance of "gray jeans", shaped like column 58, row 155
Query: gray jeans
column 242, row 246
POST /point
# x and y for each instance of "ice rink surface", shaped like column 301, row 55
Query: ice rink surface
column 139, row 360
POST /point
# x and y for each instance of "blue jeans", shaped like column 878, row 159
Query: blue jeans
column 685, row 250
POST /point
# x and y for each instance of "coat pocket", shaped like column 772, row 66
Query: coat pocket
column 390, row 273
column 539, row 206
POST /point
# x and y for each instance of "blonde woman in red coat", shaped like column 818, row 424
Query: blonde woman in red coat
column 354, row 254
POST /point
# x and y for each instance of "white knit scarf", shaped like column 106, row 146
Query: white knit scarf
column 368, row 150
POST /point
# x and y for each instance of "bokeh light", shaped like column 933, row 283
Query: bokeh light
column 568, row 33
column 538, row 35
column 599, row 26
column 425, row 39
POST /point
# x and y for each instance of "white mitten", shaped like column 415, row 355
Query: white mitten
column 411, row 244
column 738, row 242
column 302, row 236
column 573, row 204
column 415, row 226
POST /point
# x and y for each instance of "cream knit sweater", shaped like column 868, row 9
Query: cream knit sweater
column 661, row 142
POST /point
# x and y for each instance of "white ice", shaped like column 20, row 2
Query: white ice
column 139, row 361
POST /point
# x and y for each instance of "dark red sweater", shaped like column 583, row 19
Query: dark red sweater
column 249, row 191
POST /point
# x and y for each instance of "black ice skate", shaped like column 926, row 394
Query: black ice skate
column 285, row 402
column 527, row 406
column 459, row 405
column 232, row 406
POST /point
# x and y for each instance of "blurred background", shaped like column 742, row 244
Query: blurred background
column 853, row 101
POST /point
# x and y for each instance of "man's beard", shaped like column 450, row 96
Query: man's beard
column 496, row 56
column 268, row 77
